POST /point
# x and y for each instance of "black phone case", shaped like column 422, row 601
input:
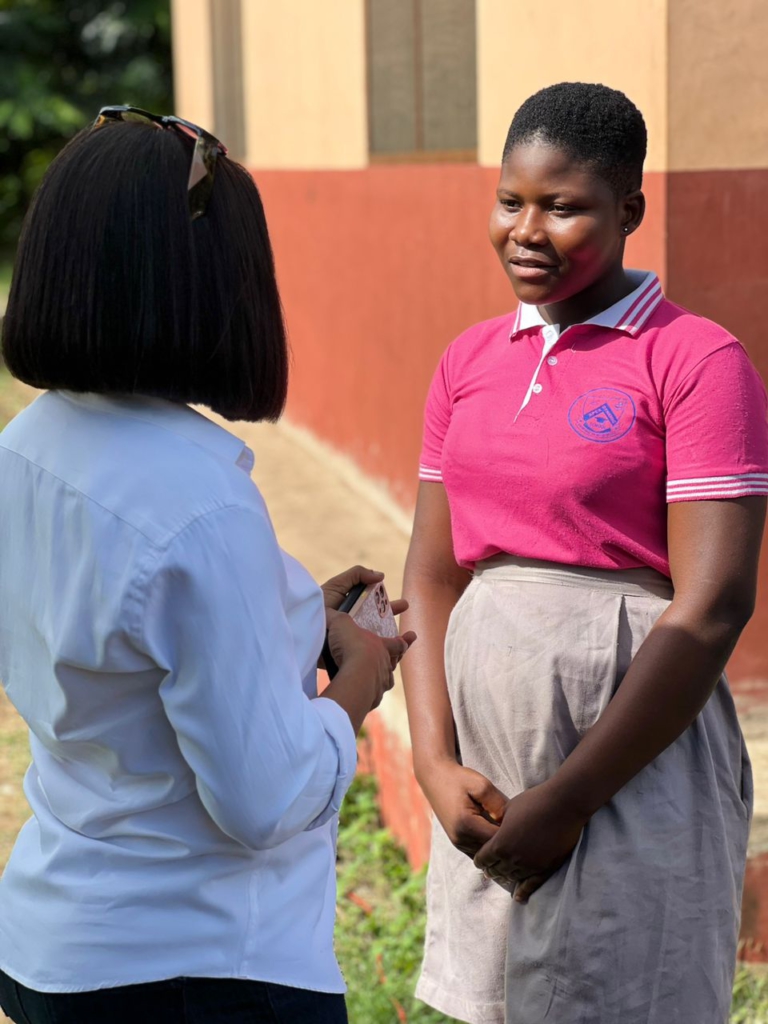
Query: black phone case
column 346, row 605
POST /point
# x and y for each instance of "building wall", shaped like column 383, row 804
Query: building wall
column 380, row 266
column 523, row 47
column 305, row 83
column 395, row 259
column 718, row 78
column 192, row 60
column 717, row 253
column 718, row 162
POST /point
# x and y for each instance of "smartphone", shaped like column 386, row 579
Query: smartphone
column 369, row 606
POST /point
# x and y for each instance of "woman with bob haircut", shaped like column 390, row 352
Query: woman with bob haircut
column 186, row 778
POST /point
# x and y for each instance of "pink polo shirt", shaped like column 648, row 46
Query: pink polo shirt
column 566, row 446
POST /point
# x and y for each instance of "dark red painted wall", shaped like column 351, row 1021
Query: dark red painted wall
column 717, row 259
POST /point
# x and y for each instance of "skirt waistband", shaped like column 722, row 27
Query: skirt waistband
column 642, row 581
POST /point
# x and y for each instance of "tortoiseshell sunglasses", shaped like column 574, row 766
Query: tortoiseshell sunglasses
column 207, row 149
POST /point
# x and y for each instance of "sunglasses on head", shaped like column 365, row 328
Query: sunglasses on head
column 207, row 149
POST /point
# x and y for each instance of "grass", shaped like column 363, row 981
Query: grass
column 14, row 396
column 6, row 395
column 750, row 997
column 380, row 926
column 5, row 282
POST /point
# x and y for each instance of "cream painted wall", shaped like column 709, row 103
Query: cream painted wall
column 305, row 85
column 192, row 64
column 718, row 84
column 523, row 47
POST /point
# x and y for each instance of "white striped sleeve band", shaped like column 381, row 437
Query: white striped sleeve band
column 702, row 488
column 430, row 474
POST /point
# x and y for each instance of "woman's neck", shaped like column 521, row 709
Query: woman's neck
column 592, row 300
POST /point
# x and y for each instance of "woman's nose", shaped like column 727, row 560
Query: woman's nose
column 527, row 228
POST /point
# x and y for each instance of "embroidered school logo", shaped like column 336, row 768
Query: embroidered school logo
column 604, row 414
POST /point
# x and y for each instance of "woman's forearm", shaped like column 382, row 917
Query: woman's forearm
column 426, row 691
column 351, row 690
column 668, row 683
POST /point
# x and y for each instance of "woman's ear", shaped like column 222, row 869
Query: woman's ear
column 633, row 211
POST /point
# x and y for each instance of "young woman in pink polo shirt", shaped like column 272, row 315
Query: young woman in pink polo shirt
column 584, row 558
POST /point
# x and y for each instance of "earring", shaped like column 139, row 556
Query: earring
column 625, row 230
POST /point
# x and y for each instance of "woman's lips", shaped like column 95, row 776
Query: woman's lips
column 529, row 270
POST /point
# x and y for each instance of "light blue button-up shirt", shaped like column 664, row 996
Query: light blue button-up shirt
column 162, row 650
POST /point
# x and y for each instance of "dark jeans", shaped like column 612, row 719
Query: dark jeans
column 178, row 1001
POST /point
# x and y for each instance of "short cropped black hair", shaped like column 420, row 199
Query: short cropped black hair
column 596, row 125
column 117, row 289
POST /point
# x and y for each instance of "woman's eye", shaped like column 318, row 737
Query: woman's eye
column 562, row 208
column 510, row 204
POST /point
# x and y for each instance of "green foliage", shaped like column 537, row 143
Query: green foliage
column 6, row 269
column 750, row 997
column 61, row 61
column 380, row 925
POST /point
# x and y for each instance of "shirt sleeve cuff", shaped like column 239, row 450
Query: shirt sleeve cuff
column 338, row 726
column 430, row 474
column 703, row 488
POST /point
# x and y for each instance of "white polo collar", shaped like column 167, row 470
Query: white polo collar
column 628, row 314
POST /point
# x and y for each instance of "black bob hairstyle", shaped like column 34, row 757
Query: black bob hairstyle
column 597, row 126
column 117, row 290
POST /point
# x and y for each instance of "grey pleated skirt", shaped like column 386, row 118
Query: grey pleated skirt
column 640, row 926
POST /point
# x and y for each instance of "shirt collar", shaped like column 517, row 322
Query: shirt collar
column 628, row 314
column 173, row 416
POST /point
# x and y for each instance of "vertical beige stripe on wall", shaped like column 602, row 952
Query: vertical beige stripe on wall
column 192, row 61
column 523, row 47
column 226, row 46
column 304, row 83
column 718, row 84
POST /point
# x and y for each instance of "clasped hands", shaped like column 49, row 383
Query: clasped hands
column 519, row 842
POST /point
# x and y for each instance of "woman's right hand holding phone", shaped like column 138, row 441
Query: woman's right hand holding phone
column 366, row 665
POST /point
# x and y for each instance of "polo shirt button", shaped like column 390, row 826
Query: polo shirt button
column 549, row 333
column 537, row 388
column 552, row 360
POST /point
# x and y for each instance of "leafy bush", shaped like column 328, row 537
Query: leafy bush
column 61, row 61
